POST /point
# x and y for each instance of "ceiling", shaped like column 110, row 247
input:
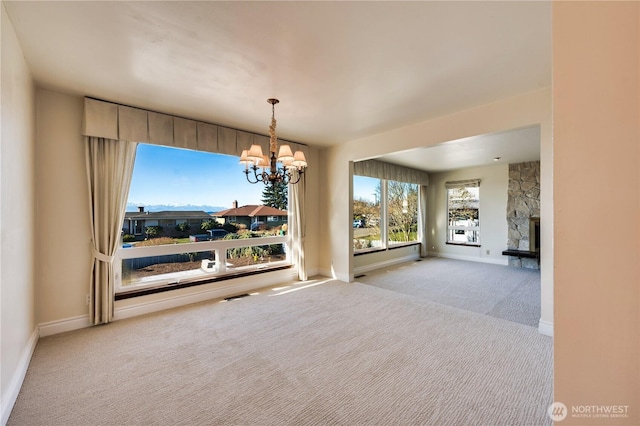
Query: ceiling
column 512, row 146
column 342, row 70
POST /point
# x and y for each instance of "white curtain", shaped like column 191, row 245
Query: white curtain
column 297, row 225
column 109, row 168
column 423, row 235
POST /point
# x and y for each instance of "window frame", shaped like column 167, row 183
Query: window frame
column 391, row 243
column 385, row 243
column 475, row 229
column 219, row 247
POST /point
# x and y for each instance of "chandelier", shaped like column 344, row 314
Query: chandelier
column 278, row 169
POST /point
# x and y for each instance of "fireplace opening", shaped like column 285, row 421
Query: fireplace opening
column 534, row 234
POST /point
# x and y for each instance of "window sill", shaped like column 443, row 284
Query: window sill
column 463, row 244
column 391, row 247
column 401, row 245
column 173, row 286
column 368, row 251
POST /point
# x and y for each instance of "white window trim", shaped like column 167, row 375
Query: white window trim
column 472, row 183
column 218, row 246
column 384, row 221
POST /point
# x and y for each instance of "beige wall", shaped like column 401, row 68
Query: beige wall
column 596, row 151
column 17, row 216
column 516, row 112
column 62, row 216
column 494, row 183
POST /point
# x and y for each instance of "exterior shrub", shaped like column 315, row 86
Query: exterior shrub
column 231, row 227
column 153, row 231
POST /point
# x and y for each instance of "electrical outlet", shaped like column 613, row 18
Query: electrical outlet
column 88, row 299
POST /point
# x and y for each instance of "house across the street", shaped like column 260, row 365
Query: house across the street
column 253, row 217
column 136, row 222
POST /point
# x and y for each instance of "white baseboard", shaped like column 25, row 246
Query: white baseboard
column 385, row 263
column 18, row 378
column 223, row 289
column 63, row 325
column 492, row 260
column 331, row 273
column 545, row 328
column 312, row 272
column 325, row 273
column 227, row 288
column 347, row 278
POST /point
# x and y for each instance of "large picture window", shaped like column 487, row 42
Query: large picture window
column 183, row 224
column 385, row 213
column 463, row 212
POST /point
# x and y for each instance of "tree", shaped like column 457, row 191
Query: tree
column 463, row 205
column 210, row 224
column 152, row 231
column 365, row 210
column 183, row 227
column 276, row 195
column 402, row 209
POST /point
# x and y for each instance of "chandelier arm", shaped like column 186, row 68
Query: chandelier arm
column 258, row 176
column 285, row 176
column 246, row 172
column 263, row 176
column 300, row 172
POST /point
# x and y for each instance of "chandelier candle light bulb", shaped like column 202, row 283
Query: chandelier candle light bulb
column 286, row 168
column 244, row 160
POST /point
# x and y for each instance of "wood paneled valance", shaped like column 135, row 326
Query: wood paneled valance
column 381, row 170
column 114, row 121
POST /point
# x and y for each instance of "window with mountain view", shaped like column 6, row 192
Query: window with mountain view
column 192, row 215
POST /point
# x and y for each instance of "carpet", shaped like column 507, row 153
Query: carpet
column 321, row 352
column 500, row 291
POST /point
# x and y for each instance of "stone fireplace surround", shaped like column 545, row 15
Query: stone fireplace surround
column 523, row 211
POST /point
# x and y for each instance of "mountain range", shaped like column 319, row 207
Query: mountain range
column 132, row 207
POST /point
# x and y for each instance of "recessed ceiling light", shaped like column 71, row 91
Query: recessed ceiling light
column 496, row 158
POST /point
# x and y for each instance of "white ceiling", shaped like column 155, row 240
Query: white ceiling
column 342, row 70
column 512, row 146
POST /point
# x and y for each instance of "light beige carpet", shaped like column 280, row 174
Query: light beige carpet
column 496, row 290
column 316, row 353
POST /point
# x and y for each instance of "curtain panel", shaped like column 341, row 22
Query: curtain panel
column 109, row 166
column 120, row 122
column 382, row 170
column 297, row 223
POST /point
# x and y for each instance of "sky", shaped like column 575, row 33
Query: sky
column 364, row 188
column 179, row 177
column 171, row 176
